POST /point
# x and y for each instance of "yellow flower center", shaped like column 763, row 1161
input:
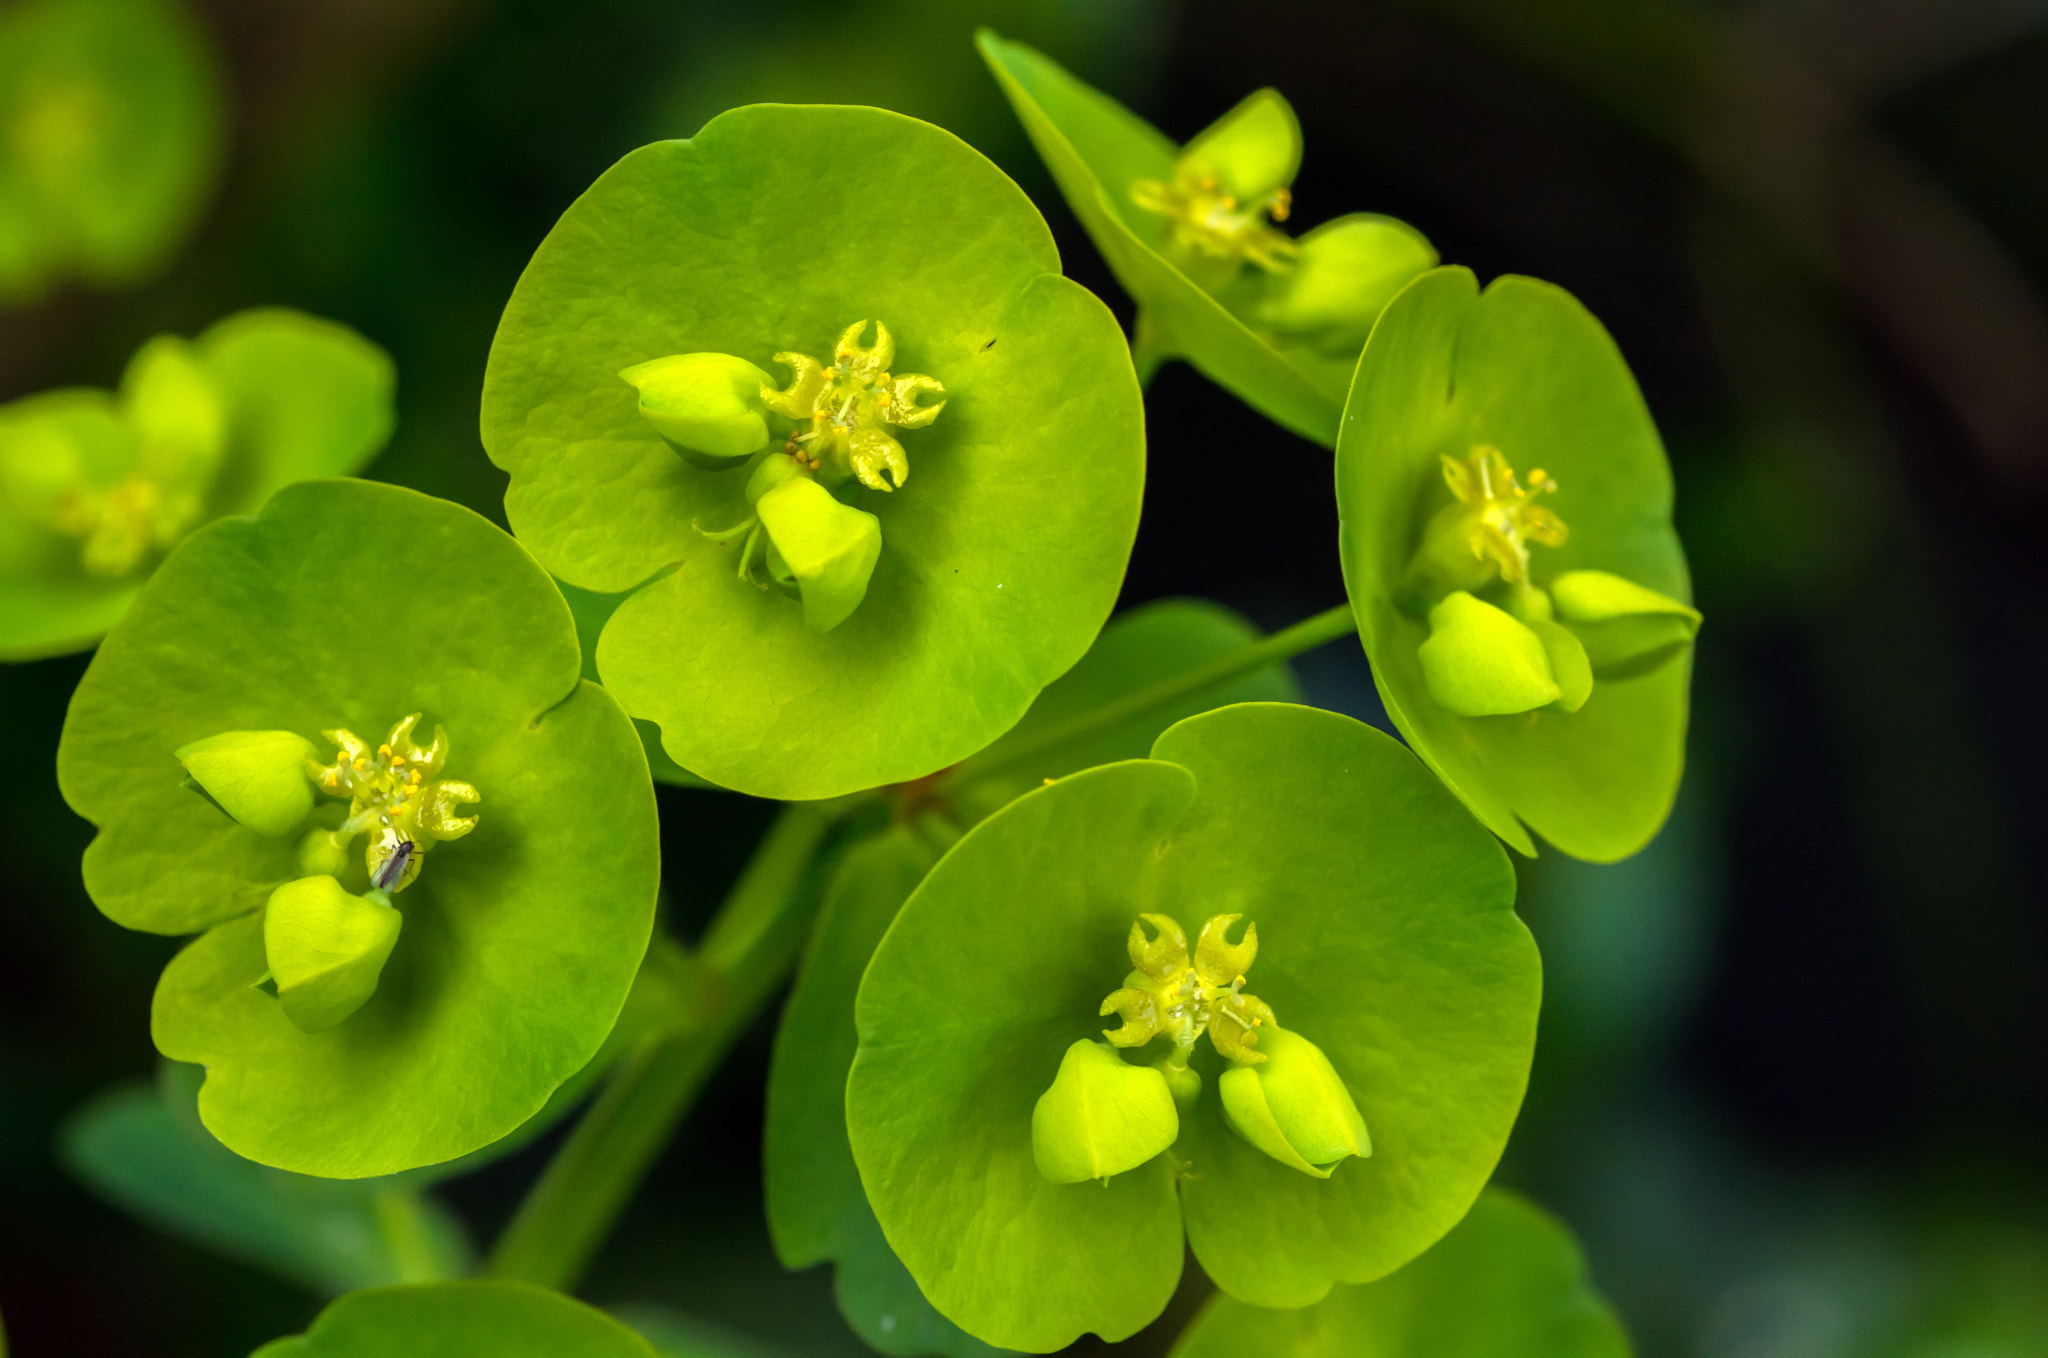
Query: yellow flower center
column 847, row 402
column 1168, row 994
column 395, row 797
column 1210, row 222
column 1496, row 517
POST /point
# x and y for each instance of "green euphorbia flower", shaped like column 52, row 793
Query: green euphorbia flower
column 1387, row 948
column 96, row 486
column 1190, row 233
column 461, row 1320
column 1509, row 1282
column 811, row 619
column 816, row 1210
column 365, row 1011
column 1537, row 655
column 110, row 139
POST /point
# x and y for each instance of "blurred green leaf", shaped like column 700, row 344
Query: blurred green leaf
column 114, row 121
column 332, row 1236
column 461, row 1320
column 1508, row 1282
column 675, row 1335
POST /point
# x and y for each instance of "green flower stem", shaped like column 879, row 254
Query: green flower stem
column 409, row 1236
column 748, row 948
column 1305, row 635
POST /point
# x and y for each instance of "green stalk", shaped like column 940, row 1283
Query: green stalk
column 1305, row 635
column 746, row 951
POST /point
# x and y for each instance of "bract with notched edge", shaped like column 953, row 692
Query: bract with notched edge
column 1000, row 554
column 1457, row 385
column 1385, row 934
column 341, row 606
column 491, row 1319
column 1276, row 322
column 1509, row 1280
column 95, row 486
column 114, row 131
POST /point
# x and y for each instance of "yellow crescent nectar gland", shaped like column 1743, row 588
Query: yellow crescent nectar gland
column 847, row 402
column 395, row 797
column 1170, row 995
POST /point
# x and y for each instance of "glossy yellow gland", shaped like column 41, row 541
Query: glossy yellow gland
column 1486, row 532
column 846, row 404
column 1168, row 994
column 394, row 797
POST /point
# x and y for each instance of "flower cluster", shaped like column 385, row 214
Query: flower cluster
column 711, row 409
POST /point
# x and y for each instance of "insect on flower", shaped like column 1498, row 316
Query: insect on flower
column 392, row 870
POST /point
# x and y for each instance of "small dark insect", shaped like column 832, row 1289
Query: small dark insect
column 393, row 868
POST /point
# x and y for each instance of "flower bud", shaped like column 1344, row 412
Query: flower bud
column 326, row 949
column 257, row 777
column 826, row 549
column 1293, row 1106
column 1101, row 1116
column 707, row 406
column 1625, row 628
column 1347, row 272
column 1481, row 662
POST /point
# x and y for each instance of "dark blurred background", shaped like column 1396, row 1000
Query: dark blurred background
column 1792, row 1087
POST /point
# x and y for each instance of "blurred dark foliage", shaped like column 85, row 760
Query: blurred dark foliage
column 1793, row 1081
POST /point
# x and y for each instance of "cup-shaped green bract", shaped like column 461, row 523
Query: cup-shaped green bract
column 342, row 606
column 1276, row 322
column 708, row 406
column 1385, row 934
column 461, row 1320
column 1519, row 376
column 1509, row 1282
column 326, row 947
column 1101, row 1117
column 998, row 559
column 816, row 1209
column 95, row 486
column 257, row 777
column 114, row 131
